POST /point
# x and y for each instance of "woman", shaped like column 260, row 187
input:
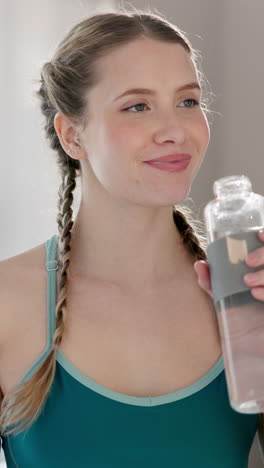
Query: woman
column 133, row 373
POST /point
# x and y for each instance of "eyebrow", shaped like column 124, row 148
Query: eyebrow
column 152, row 92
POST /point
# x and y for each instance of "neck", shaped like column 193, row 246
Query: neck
column 142, row 254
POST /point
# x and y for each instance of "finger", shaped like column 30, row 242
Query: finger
column 258, row 293
column 256, row 257
column 203, row 272
column 255, row 279
column 261, row 234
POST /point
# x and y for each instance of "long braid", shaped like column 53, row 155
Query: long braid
column 65, row 223
column 69, row 169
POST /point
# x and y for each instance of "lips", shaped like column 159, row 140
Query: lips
column 172, row 158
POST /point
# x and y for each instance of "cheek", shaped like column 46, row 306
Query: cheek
column 124, row 145
column 124, row 137
column 118, row 148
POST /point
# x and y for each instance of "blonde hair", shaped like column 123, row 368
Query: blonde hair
column 64, row 82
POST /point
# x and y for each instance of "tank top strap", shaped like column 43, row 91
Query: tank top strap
column 51, row 267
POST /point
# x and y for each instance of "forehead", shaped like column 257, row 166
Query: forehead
column 145, row 61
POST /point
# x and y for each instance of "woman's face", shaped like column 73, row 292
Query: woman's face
column 123, row 132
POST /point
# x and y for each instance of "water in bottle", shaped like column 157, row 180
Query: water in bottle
column 232, row 223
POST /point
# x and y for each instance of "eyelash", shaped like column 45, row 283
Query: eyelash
column 196, row 103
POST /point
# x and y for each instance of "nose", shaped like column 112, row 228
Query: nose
column 170, row 129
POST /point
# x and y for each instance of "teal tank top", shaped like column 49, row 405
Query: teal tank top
column 84, row 424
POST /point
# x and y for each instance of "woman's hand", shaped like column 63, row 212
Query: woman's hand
column 202, row 270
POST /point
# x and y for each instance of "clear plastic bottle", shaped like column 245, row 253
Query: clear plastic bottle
column 232, row 223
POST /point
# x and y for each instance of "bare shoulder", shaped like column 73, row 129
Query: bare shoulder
column 21, row 277
column 22, row 313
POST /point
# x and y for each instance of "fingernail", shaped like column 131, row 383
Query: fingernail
column 251, row 278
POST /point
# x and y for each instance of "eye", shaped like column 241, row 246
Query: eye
column 135, row 105
column 195, row 103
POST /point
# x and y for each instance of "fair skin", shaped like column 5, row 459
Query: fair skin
column 125, row 212
column 124, row 233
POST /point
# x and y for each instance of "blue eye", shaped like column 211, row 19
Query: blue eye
column 195, row 103
column 135, row 105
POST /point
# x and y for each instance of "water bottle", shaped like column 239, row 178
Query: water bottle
column 232, row 221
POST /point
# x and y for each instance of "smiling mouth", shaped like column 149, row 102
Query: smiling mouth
column 172, row 158
column 175, row 166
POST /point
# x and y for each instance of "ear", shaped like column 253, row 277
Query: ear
column 68, row 136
